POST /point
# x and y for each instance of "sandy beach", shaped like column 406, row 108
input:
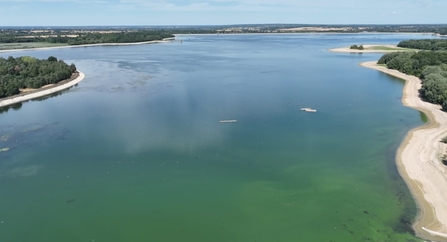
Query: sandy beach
column 369, row 49
column 42, row 91
column 419, row 160
column 90, row 45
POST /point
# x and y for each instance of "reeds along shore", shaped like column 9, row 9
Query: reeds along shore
column 418, row 160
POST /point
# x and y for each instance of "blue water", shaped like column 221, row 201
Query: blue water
column 136, row 151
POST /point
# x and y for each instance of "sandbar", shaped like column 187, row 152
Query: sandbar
column 44, row 91
column 419, row 160
column 371, row 49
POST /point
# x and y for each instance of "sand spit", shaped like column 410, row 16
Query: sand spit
column 42, row 91
column 418, row 160
column 370, row 49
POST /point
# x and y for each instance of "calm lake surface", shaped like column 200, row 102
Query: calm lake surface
column 136, row 151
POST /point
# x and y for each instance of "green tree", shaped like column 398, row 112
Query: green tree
column 52, row 58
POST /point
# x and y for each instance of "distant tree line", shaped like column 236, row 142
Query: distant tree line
column 429, row 66
column 29, row 72
column 126, row 37
column 424, row 44
column 86, row 38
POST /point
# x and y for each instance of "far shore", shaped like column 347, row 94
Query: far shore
column 418, row 160
column 371, row 49
column 89, row 45
column 41, row 92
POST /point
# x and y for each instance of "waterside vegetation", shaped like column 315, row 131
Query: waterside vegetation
column 424, row 44
column 429, row 66
column 29, row 72
column 356, row 47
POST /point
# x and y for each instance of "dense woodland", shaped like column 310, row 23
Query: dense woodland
column 430, row 66
column 424, row 44
column 29, row 72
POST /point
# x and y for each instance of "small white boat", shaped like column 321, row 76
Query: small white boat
column 309, row 110
column 4, row 150
column 229, row 121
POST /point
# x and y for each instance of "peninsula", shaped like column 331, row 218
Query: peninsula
column 371, row 49
column 44, row 91
column 26, row 78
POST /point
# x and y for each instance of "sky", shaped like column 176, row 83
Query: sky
column 219, row 12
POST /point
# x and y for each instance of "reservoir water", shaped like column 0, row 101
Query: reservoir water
column 136, row 151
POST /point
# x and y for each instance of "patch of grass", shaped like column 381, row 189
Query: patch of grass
column 388, row 48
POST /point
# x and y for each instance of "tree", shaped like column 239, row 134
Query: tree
column 52, row 58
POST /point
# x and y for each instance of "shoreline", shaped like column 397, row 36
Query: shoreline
column 368, row 49
column 418, row 162
column 167, row 40
column 62, row 85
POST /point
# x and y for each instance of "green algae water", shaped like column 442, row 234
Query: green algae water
column 136, row 151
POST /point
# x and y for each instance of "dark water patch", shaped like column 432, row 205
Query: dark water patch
column 15, row 136
column 405, row 201
column 49, row 96
column 16, row 106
